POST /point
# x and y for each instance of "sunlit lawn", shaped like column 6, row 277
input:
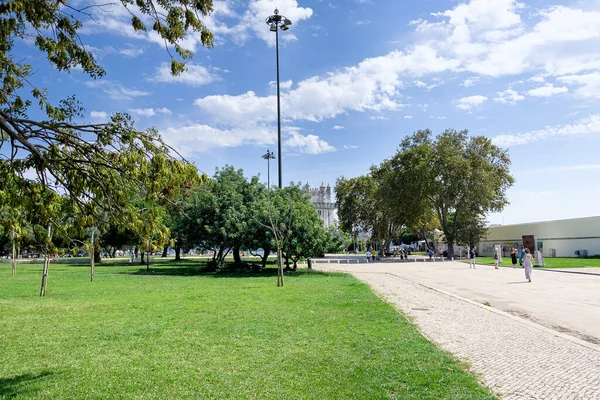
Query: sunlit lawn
column 549, row 262
column 180, row 333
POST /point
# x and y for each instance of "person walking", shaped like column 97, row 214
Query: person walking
column 521, row 255
column 368, row 254
column 472, row 255
column 429, row 253
column 496, row 259
column 528, row 264
column 513, row 257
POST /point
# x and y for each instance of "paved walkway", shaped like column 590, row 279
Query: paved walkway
column 515, row 357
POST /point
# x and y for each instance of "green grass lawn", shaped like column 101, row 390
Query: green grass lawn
column 550, row 262
column 178, row 333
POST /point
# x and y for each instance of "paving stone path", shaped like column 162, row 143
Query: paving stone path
column 516, row 358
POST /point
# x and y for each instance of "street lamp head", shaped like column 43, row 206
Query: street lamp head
column 276, row 21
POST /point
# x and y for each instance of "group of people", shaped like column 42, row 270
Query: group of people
column 525, row 260
column 372, row 255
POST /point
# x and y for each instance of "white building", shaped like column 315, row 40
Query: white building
column 320, row 198
column 562, row 238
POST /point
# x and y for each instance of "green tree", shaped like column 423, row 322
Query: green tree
column 99, row 166
column 462, row 178
column 364, row 206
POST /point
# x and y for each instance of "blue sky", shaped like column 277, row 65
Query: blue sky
column 358, row 76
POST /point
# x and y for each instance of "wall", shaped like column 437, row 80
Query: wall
column 565, row 236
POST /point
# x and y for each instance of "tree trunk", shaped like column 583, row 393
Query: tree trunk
column 93, row 259
column 142, row 260
column 177, row 253
column 136, row 251
column 148, row 261
column 450, row 250
column 113, row 252
column 165, row 252
column 97, row 257
column 295, row 264
column 219, row 257
column 279, row 268
column 236, row 255
column 14, row 255
column 265, row 257
column 46, row 266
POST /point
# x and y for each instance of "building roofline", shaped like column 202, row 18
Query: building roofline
column 542, row 222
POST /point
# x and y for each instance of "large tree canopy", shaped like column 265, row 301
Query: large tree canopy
column 97, row 165
column 460, row 178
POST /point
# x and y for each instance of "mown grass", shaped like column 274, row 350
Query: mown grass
column 549, row 262
column 178, row 332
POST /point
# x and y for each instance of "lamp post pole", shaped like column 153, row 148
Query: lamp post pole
column 268, row 156
column 276, row 22
column 278, row 111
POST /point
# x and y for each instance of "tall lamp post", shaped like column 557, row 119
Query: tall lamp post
column 277, row 22
column 268, row 157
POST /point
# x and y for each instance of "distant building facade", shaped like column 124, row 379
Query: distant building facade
column 320, row 198
column 578, row 237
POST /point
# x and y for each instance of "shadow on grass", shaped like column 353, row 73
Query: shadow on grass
column 200, row 269
column 21, row 385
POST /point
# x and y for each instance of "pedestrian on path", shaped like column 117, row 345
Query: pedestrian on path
column 528, row 264
column 496, row 259
column 513, row 257
column 368, row 254
column 472, row 255
column 521, row 255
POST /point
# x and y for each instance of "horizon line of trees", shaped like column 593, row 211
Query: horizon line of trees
column 449, row 182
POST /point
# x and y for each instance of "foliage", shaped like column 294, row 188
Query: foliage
column 364, row 206
column 189, row 335
column 460, row 178
column 99, row 166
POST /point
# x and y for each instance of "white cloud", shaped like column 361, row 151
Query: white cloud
column 537, row 79
column 348, row 147
column 408, row 117
column 338, row 127
column 99, row 115
column 194, row 75
column 132, row 51
column 433, row 117
column 589, row 84
column 586, row 126
column 282, row 85
column 309, row 144
column 116, row 91
column 150, row 112
column 199, row 138
column 372, row 85
column 466, row 103
column 253, row 20
column 470, row 82
column 509, row 96
column 547, row 90
column 489, row 37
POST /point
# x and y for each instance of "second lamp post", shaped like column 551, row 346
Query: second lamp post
column 277, row 22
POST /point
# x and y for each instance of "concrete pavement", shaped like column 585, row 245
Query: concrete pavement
column 538, row 340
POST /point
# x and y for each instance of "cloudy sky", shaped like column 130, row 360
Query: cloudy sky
column 359, row 75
